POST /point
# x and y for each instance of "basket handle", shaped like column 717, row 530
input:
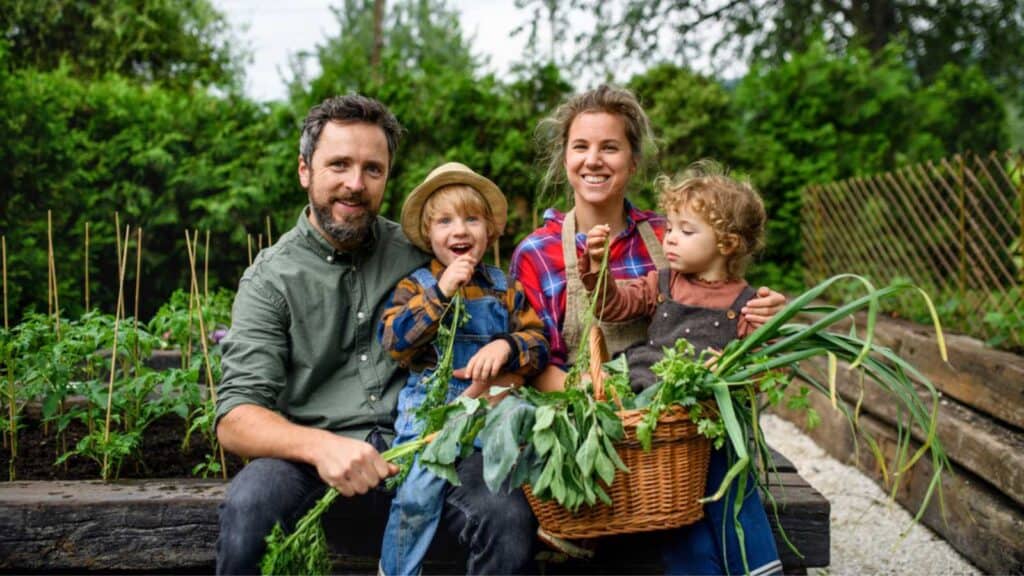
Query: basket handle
column 598, row 356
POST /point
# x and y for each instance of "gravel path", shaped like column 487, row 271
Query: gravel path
column 866, row 527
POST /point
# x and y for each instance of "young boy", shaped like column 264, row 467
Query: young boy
column 455, row 214
column 715, row 225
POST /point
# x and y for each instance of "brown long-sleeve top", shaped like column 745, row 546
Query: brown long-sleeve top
column 626, row 299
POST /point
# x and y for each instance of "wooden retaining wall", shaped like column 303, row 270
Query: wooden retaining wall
column 981, row 425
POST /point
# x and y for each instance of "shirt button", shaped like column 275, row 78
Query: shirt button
column 373, row 397
column 664, row 314
column 360, row 315
column 362, row 357
column 716, row 323
column 330, row 258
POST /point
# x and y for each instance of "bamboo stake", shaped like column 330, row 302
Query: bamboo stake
column 248, row 240
column 53, row 271
column 206, row 352
column 190, row 249
column 12, row 414
column 206, row 268
column 117, row 258
column 497, row 254
column 270, row 241
column 259, row 240
column 86, row 266
column 138, row 279
column 122, row 264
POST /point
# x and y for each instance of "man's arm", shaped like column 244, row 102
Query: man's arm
column 256, row 353
column 350, row 466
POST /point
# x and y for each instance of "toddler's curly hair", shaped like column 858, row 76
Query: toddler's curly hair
column 728, row 204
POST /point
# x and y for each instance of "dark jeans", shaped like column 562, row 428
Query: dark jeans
column 495, row 531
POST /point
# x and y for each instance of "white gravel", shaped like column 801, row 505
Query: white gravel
column 866, row 526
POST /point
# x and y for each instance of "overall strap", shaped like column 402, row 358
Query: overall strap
column 497, row 276
column 424, row 277
column 572, row 327
column 653, row 246
column 664, row 286
column 745, row 296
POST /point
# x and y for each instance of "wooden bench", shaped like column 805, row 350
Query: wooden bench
column 171, row 526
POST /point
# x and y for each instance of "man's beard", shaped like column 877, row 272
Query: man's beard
column 348, row 232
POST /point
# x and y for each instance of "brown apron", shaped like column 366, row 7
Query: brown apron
column 618, row 335
column 702, row 327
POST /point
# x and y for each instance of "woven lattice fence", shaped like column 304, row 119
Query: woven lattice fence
column 953, row 227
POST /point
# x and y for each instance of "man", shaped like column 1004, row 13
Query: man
column 308, row 393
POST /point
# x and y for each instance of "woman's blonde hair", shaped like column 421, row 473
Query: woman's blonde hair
column 462, row 198
column 729, row 205
column 553, row 131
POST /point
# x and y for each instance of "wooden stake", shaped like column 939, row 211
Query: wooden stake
column 87, row 267
column 270, row 241
column 3, row 257
column 12, row 414
column 138, row 280
column 117, row 236
column 248, row 240
column 259, row 240
column 53, row 271
column 211, row 389
column 206, row 268
column 497, row 254
column 122, row 264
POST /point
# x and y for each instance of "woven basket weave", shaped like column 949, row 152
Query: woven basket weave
column 662, row 488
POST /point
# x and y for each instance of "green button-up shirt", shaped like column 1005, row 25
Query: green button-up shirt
column 303, row 331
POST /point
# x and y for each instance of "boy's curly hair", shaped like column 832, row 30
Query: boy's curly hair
column 729, row 205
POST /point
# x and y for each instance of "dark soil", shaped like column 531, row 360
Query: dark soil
column 162, row 454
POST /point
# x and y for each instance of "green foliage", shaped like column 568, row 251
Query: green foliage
column 180, row 44
column 452, row 112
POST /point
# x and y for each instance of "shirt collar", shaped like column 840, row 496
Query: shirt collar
column 325, row 249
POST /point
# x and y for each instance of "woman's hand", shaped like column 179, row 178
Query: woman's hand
column 456, row 275
column 597, row 238
column 768, row 303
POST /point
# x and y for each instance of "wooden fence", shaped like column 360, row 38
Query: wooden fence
column 953, row 227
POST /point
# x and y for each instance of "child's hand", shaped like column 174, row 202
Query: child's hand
column 488, row 361
column 596, row 240
column 456, row 275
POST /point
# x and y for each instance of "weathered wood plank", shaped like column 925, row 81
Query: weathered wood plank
column 171, row 525
column 984, row 379
column 978, row 443
column 981, row 523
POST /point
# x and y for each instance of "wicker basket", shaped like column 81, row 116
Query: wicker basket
column 662, row 489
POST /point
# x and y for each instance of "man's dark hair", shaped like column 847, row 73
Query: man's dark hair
column 348, row 109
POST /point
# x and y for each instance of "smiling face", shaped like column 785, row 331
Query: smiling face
column 598, row 158
column 692, row 247
column 346, row 181
column 456, row 228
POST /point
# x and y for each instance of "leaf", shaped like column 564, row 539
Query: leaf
column 604, row 467
column 587, row 454
column 502, row 438
column 544, row 418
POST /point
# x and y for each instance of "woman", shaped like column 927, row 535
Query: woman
column 596, row 141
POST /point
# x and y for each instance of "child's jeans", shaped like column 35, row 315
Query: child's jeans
column 711, row 545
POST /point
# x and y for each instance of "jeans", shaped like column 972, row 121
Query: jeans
column 496, row 531
column 711, row 545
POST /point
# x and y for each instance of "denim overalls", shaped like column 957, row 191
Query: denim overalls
column 416, row 508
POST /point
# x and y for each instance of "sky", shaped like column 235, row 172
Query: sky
column 273, row 30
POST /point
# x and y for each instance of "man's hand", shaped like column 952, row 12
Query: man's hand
column 456, row 275
column 768, row 303
column 351, row 466
column 488, row 361
column 483, row 388
column 597, row 238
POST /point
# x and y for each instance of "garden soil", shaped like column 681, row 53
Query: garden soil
column 162, row 454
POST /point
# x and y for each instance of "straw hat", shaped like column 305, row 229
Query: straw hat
column 444, row 175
